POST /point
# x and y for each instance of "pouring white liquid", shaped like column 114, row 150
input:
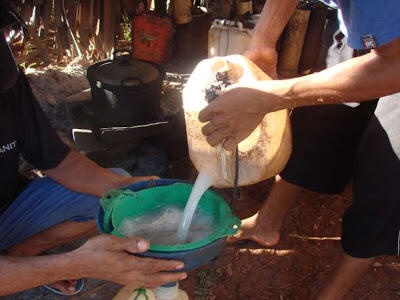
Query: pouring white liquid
column 203, row 182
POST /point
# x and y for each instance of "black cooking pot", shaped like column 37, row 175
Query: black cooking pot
column 125, row 91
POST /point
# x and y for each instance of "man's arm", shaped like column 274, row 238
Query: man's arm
column 103, row 257
column 236, row 113
column 83, row 175
column 273, row 19
column 359, row 79
column 20, row 273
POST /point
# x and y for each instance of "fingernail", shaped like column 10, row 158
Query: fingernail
column 183, row 276
column 142, row 245
column 179, row 266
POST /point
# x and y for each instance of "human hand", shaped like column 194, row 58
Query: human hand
column 233, row 116
column 109, row 257
column 266, row 58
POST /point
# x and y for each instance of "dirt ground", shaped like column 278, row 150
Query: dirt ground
column 300, row 265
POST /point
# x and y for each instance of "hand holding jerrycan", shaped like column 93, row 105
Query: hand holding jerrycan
column 263, row 154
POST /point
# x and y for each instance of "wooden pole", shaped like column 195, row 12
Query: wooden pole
column 108, row 28
column 292, row 43
column 313, row 40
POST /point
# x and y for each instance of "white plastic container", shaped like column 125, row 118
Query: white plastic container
column 158, row 293
column 227, row 37
column 261, row 155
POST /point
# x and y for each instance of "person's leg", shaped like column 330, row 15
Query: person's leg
column 41, row 206
column 349, row 272
column 371, row 226
column 48, row 214
column 264, row 226
column 55, row 236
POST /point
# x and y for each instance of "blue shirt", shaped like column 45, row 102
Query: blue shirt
column 368, row 23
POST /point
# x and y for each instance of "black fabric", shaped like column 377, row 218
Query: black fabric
column 9, row 17
column 8, row 67
column 24, row 129
column 325, row 142
column 371, row 225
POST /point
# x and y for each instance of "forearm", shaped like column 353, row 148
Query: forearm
column 21, row 273
column 81, row 174
column 359, row 79
column 274, row 17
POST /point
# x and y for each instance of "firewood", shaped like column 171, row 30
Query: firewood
column 27, row 12
column 46, row 16
column 97, row 5
column 59, row 25
column 71, row 9
column 108, row 28
column 85, row 21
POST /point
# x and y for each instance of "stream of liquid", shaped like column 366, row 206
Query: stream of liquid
column 203, row 182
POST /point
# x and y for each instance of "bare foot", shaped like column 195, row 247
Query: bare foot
column 65, row 286
column 253, row 230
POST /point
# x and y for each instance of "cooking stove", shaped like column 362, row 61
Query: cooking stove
column 90, row 137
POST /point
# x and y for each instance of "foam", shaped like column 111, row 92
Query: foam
column 160, row 226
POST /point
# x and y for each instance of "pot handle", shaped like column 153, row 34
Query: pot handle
column 122, row 58
column 131, row 78
column 118, row 51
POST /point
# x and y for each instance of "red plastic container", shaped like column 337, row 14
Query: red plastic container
column 152, row 38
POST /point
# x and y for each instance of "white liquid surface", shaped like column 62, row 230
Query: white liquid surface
column 203, row 182
column 160, row 226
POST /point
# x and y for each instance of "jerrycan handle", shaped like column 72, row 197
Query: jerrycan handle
column 221, row 24
column 223, row 155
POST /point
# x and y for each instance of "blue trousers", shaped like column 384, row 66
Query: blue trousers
column 43, row 204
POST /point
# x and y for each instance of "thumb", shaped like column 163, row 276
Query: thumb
column 135, row 245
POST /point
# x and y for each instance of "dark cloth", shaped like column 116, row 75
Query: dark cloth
column 371, row 226
column 8, row 67
column 9, row 17
column 325, row 142
column 25, row 130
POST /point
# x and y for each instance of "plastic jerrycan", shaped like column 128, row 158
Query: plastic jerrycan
column 227, row 37
column 263, row 154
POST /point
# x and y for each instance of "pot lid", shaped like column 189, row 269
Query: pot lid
column 127, row 72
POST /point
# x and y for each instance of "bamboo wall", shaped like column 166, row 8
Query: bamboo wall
column 61, row 29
